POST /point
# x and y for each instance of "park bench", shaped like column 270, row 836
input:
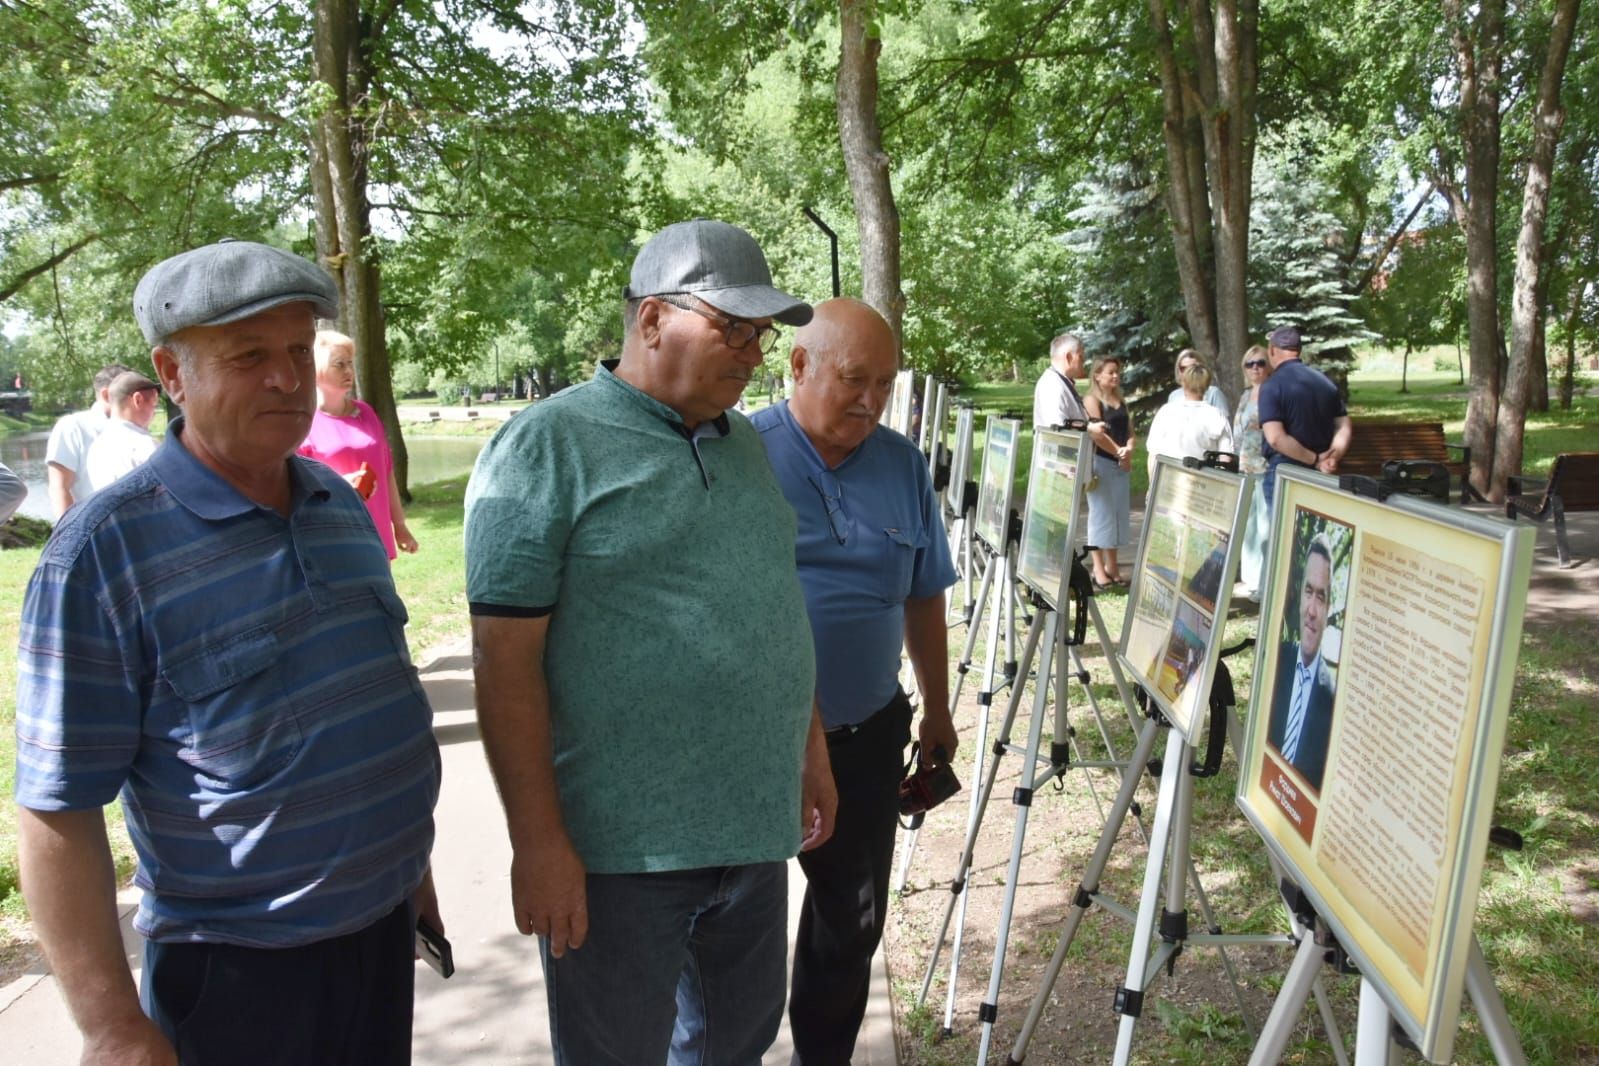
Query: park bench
column 489, row 397
column 1378, row 441
column 433, row 416
column 1572, row 485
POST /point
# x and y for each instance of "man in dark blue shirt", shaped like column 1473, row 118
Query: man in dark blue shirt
column 1301, row 414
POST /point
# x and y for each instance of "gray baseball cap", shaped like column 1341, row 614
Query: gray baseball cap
column 720, row 264
column 226, row 282
column 1285, row 337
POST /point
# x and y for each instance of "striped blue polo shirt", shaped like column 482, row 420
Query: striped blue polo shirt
column 242, row 679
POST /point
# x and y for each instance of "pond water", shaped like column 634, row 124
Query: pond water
column 432, row 459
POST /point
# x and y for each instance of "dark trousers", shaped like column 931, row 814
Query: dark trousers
column 846, row 894
column 346, row 1000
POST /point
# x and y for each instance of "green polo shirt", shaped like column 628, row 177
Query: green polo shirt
column 679, row 657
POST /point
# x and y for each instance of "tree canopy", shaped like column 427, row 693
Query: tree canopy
column 1153, row 175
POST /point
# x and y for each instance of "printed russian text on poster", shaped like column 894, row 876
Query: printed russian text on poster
column 1170, row 638
column 1388, row 641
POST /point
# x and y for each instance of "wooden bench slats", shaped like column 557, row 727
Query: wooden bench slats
column 1377, row 441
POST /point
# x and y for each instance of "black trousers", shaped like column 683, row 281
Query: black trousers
column 846, row 895
column 346, row 1000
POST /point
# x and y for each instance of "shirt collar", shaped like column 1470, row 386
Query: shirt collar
column 1308, row 671
column 606, row 376
column 209, row 495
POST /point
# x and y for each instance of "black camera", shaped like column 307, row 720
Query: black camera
column 925, row 787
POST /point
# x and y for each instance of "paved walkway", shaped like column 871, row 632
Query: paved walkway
column 492, row 1011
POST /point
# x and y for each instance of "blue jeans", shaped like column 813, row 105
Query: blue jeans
column 687, row 967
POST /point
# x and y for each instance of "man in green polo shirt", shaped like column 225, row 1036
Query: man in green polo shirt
column 645, row 672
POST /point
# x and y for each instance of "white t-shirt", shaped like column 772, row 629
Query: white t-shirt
column 1189, row 428
column 115, row 453
column 71, row 436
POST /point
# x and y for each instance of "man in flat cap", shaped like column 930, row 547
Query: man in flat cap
column 645, row 672
column 216, row 636
column 1301, row 413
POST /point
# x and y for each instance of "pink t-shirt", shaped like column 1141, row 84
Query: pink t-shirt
column 344, row 443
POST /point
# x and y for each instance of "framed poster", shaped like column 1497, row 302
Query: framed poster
column 900, row 402
column 1054, row 500
column 960, row 463
column 1171, row 634
column 926, row 433
column 994, row 486
column 1388, row 644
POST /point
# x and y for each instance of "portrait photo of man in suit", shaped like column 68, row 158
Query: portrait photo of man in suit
column 1302, row 693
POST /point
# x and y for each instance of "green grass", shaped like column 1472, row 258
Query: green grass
column 433, row 581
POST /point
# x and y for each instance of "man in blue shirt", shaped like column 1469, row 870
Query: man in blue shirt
column 1301, row 414
column 216, row 636
column 874, row 564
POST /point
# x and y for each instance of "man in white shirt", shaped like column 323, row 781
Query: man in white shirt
column 68, row 449
column 125, row 443
column 1055, row 399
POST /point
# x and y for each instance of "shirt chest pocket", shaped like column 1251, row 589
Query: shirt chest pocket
column 239, row 727
column 895, row 567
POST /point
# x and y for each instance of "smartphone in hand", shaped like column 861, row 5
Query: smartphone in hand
column 433, row 948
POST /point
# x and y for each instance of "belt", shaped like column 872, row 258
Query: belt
column 844, row 732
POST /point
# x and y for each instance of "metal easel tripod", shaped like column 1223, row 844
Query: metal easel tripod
column 1170, row 860
column 994, row 600
column 1060, row 661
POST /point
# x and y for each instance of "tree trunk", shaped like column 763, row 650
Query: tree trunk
column 1568, row 375
column 876, row 217
column 339, row 157
column 1208, row 122
column 1404, row 370
column 1526, row 306
column 1478, row 51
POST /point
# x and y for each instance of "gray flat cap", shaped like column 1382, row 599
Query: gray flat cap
column 720, row 264
column 226, row 282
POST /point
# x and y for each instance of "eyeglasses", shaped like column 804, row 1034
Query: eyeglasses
column 1254, row 364
column 837, row 521
column 736, row 332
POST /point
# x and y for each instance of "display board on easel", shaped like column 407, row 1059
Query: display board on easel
column 1054, row 498
column 901, row 402
column 960, row 463
column 1388, row 643
column 1171, row 634
column 994, row 487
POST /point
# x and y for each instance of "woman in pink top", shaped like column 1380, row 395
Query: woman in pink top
column 347, row 435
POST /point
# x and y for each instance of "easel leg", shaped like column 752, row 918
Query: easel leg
column 1279, row 1027
column 1129, row 998
column 1374, row 1039
column 989, row 770
column 962, row 668
column 1023, row 801
column 1491, row 1009
column 1083, row 898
